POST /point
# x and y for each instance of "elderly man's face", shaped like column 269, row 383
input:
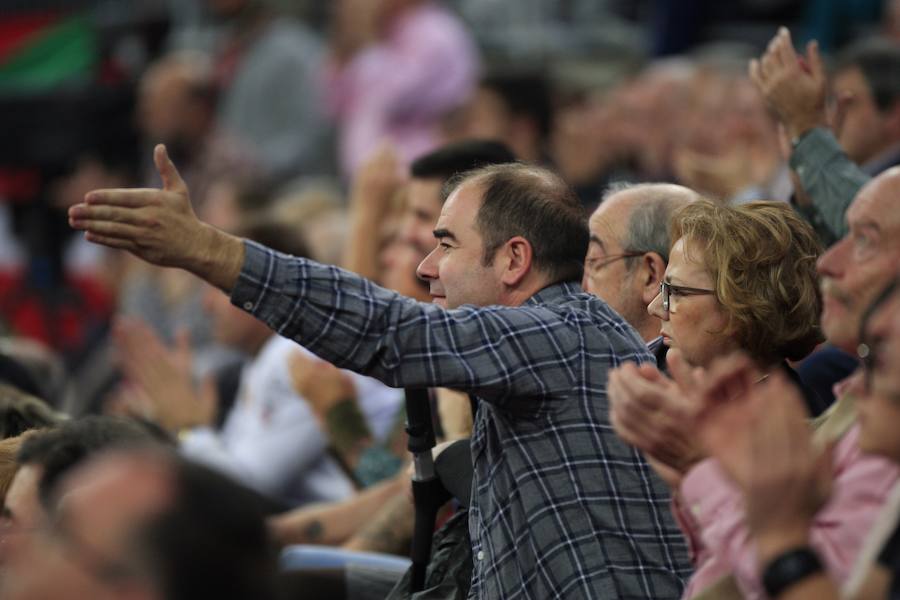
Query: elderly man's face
column 855, row 269
column 608, row 265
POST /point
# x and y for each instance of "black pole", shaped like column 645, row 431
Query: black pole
column 428, row 493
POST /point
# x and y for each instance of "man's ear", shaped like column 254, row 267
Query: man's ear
column 652, row 271
column 516, row 255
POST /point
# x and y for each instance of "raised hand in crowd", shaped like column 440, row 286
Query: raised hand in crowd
column 374, row 188
column 159, row 381
column 160, row 226
column 655, row 414
column 795, row 87
column 759, row 432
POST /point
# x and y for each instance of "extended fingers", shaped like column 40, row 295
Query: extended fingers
column 86, row 213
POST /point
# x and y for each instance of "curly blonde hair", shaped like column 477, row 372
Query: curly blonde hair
column 762, row 257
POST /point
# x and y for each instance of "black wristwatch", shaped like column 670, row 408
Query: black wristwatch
column 788, row 568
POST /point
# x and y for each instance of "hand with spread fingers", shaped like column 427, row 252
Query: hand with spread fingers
column 655, row 414
column 760, row 435
column 794, row 86
column 160, row 377
column 160, row 227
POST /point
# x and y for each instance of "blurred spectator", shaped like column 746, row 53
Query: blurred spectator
column 515, row 108
column 20, row 412
column 266, row 78
column 36, row 369
column 738, row 159
column 396, row 68
column 145, row 524
column 9, row 449
column 177, row 107
column 866, row 87
column 44, row 458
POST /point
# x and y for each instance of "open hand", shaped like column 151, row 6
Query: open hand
column 653, row 413
column 795, row 87
column 160, row 227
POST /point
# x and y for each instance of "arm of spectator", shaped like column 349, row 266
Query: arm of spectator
column 160, row 227
column 335, row 523
column 331, row 396
column 389, row 531
column 795, row 87
column 357, row 325
column 762, row 443
column 376, row 184
column 829, row 178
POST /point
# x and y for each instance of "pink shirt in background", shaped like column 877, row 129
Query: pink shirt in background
column 398, row 89
column 711, row 514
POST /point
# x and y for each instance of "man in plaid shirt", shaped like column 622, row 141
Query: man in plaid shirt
column 560, row 507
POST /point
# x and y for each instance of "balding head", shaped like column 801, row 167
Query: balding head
column 629, row 248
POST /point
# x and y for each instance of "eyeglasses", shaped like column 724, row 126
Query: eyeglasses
column 667, row 289
column 595, row 264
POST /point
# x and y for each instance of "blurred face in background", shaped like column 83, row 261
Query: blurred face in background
column 423, row 207
column 863, row 131
column 878, row 411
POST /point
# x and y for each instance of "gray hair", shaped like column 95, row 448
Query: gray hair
column 649, row 223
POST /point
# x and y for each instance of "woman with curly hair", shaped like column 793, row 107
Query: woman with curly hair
column 742, row 278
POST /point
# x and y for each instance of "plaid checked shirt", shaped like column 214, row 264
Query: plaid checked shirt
column 560, row 507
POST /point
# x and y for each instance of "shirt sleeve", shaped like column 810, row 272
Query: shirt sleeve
column 266, row 443
column 861, row 485
column 528, row 352
column 829, row 177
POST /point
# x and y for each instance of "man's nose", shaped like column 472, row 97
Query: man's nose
column 427, row 269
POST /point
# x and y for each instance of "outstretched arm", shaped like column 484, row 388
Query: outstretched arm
column 159, row 226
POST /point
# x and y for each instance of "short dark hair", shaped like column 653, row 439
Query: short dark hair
column 210, row 541
column 525, row 93
column 879, row 62
column 449, row 160
column 536, row 204
column 60, row 449
column 271, row 233
column 20, row 412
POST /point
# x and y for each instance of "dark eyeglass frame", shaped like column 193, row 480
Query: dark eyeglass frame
column 666, row 289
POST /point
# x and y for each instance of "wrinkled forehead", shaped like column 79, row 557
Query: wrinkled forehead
column 686, row 262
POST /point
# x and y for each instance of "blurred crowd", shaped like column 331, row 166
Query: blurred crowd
column 638, row 259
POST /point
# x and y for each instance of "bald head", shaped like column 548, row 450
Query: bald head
column 629, row 248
